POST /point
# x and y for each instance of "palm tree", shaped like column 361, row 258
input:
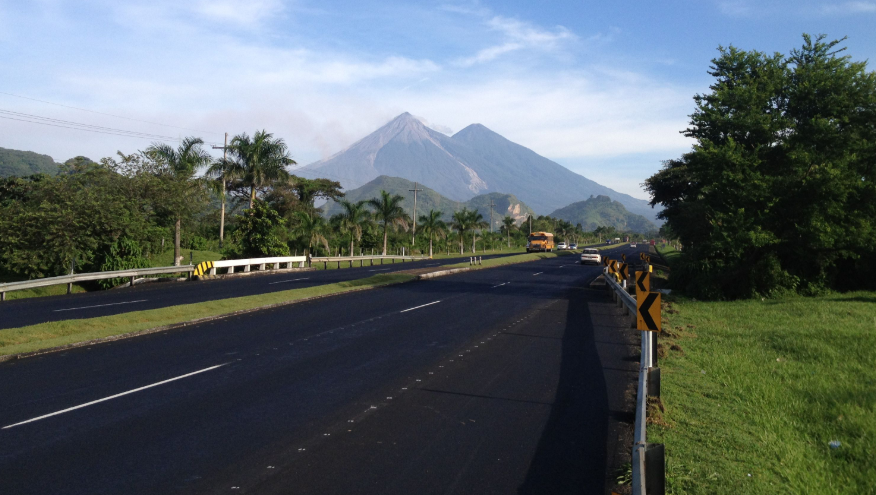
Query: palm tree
column 460, row 222
column 353, row 217
column 258, row 161
column 310, row 229
column 431, row 223
column 221, row 172
column 388, row 211
column 508, row 224
column 476, row 221
column 181, row 164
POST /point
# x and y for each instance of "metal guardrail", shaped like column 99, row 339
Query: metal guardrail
column 209, row 267
column 85, row 277
column 362, row 259
column 644, row 482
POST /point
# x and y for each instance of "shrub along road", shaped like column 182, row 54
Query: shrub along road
column 499, row 380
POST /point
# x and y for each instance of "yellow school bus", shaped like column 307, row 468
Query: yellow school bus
column 540, row 241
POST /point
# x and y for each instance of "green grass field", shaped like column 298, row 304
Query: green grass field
column 53, row 334
column 754, row 392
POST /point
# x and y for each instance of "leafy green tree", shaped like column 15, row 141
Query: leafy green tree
column 475, row 221
column 389, row 213
column 778, row 192
column 258, row 162
column 461, row 223
column 432, row 224
column 256, row 233
column 179, row 167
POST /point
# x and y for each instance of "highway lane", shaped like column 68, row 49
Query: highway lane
column 518, row 354
column 21, row 312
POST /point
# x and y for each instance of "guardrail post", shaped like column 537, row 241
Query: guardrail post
column 2, row 296
column 262, row 267
column 339, row 264
column 132, row 281
column 655, row 469
column 325, row 265
column 245, row 268
column 654, row 382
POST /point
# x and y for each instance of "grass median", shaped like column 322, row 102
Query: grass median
column 55, row 334
column 769, row 396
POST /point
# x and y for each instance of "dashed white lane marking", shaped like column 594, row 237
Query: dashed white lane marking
column 418, row 307
column 539, row 273
column 100, row 305
column 378, row 270
column 284, row 281
column 115, row 396
column 500, row 285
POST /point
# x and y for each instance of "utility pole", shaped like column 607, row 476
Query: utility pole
column 530, row 224
column 491, row 214
column 414, row 234
column 222, row 214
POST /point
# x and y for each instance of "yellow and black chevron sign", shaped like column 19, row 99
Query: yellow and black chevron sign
column 203, row 268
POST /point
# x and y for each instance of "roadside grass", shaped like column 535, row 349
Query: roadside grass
column 53, row 290
column 754, row 392
column 53, row 334
column 669, row 253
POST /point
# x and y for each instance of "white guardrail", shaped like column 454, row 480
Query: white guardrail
column 648, row 463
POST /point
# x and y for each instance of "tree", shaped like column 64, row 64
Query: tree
column 461, row 223
column 475, row 221
column 179, row 166
column 256, row 233
column 778, row 192
column 353, row 219
column 432, row 224
column 508, row 224
column 311, row 229
column 388, row 212
column 258, row 161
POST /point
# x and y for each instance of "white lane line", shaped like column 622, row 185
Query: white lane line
column 418, row 307
column 284, row 281
column 100, row 305
column 114, row 396
column 379, row 270
column 500, row 285
column 539, row 273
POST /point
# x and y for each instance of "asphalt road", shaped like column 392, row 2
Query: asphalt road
column 30, row 311
column 508, row 380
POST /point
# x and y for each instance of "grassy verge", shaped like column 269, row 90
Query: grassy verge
column 510, row 260
column 755, row 391
column 166, row 258
column 669, row 253
column 53, row 290
column 54, row 334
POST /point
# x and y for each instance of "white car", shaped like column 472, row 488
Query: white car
column 590, row 255
column 633, row 245
column 562, row 245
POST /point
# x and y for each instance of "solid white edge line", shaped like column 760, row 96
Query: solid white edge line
column 539, row 273
column 99, row 305
column 500, row 285
column 418, row 307
column 114, row 396
column 284, row 281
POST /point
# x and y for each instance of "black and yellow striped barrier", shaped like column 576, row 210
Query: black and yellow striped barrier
column 203, row 268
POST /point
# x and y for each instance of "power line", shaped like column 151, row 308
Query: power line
column 67, row 124
column 108, row 114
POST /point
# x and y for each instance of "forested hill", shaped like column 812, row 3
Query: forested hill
column 601, row 211
column 428, row 199
column 23, row 163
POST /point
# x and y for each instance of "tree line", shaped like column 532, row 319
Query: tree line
column 125, row 211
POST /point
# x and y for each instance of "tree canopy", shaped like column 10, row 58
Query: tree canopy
column 778, row 192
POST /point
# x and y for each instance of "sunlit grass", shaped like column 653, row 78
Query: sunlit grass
column 756, row 390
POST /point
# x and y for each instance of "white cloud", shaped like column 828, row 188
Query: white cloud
column 517, row 35
column 244, row 13
column 848, row 8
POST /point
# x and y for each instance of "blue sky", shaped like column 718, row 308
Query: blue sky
column 600, row 87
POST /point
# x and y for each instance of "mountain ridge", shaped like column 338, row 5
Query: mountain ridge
column 601, row 211
column 473, row 161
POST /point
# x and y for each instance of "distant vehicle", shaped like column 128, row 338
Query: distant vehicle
column 590, row 255
column 633, row 244
column 562, row 245
column 573, row 246
column 540, row 241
